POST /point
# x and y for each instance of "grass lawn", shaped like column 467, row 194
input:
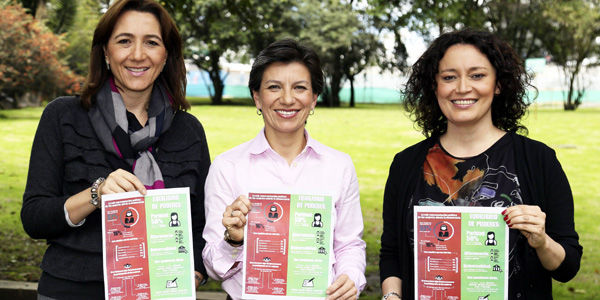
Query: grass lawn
column 371, row 134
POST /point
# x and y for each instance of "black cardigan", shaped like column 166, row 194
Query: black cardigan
column 542, row 182
column 67, row 157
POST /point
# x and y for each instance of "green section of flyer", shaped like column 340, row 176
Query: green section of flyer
column 483, row 258
column 310, row 245
column 169, row 245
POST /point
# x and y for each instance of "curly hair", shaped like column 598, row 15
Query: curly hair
column 508, row 107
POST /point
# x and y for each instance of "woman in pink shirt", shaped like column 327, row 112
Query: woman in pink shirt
column 285, row 81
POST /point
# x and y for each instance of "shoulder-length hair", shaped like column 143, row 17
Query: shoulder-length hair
column 173, row 76
column 508, row 107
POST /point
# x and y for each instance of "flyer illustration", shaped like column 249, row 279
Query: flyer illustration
column 288, row 246
column 147, row 245
column 460, row 253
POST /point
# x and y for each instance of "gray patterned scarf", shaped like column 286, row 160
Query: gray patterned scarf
column 109, row 119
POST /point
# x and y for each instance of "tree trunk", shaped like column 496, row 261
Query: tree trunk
column 215, row 77
column 40, row 11
column 572, row 104
column 336, row 82
column 351, row 79
column 326, row 95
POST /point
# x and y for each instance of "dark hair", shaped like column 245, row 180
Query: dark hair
column 507, row 107
column 173, row 74
column 287, row 51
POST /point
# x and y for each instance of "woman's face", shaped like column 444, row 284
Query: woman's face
column 136, row 52
column 466, row 84
column 285, row 97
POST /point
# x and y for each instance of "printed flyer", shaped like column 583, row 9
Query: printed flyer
column 460, row 253
column 147, row 245
column 288, row 246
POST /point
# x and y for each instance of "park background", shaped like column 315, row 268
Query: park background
column 366, row 48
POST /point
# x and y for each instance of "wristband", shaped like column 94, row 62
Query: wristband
column 386, row 296
column 94, row 192
column 231, row 242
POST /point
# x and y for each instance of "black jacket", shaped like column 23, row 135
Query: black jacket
column 67, row 157
column 542, row 183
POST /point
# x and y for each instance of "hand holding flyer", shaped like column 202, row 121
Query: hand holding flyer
column 460, row 253
column 147, row 245
column 288, row 246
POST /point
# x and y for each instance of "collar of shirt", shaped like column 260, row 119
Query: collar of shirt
column 260, row 145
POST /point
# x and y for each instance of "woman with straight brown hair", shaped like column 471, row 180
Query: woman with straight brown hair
column 128, row 131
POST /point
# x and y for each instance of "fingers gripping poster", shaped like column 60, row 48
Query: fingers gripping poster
column 147, row 245
column 288, row 246
column 460, row 253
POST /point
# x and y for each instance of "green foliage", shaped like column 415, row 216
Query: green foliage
column 62, row 16
column 30, row 62
column 521, row 23
column 215, row 29
column 79, row 37
column 365, row 50
column 575, row 30
column 567, row 30
column 328, row 26
column 209, row 29
column 31, row 6
column 386, row 17
column 446, row 15
column 344, row 39
column 264, row 22
column 57, row 15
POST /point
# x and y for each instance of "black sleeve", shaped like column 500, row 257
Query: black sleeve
column 197, row 205
column 389, row 254
column 560, row 225
column 42, row 212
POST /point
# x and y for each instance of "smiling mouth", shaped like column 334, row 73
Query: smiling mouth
column 464, row 101
column 137, row 70
column 287, row 113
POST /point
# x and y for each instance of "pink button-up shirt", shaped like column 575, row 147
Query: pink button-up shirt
column 255, row 167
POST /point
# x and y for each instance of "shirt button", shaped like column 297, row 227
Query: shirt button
column 518, row 295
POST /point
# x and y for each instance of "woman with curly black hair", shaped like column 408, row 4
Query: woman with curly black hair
column 467, row 93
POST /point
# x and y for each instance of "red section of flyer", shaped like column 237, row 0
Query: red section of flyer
column 439, row 253
column 267, row 244
column 127, row 249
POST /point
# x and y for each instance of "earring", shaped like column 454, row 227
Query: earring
column 107, row 64
column 312, row 112
column 259, row 111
